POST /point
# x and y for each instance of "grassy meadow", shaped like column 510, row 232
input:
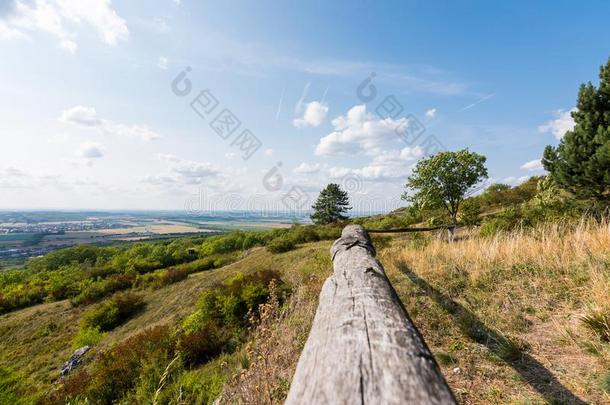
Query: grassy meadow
column 516, row 311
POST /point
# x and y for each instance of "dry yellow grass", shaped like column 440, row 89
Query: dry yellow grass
column 504, row 314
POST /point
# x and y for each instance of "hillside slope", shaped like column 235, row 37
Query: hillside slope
column 503, row 316
column 36, row 341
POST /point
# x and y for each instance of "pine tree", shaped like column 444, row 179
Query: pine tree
column 331, row 204
column 581, row 162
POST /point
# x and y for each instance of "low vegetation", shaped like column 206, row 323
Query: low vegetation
column 519, row 317
column 86, row 274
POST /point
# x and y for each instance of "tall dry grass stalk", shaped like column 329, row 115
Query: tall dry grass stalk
column 546, row 288
column 549, row 254
column 278, row 336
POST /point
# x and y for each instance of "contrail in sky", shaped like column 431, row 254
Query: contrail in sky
column 487, row 97
column 297, row 108
column 279, row 106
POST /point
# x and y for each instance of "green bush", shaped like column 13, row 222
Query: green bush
column 92, row 291
column 112, row 312
column 220, row 320
column 507, row 220
column 303, row 234
column 87, row 336
column 281, row 244
column 117, row 371
column 202, row 345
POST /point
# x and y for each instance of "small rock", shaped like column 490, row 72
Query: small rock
column 457, row 370
column 74, row 361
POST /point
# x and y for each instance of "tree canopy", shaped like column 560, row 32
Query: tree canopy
column 331, row 205
column 445, row 179
column 581, row 161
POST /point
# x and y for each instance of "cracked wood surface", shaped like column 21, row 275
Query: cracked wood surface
column 362, row 347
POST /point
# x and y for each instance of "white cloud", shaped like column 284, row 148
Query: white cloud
column 230, row 155
column 514, row 181
column 57, row 17
column 305, row 168
column 8, row 33
column 431, row 113
column 313, row 115
column 359, row 131
column 162, row 63
column 87, row 117
column 559, row 126
column 269, row 152
column 386, row 166
column 132, row 131
column 182, row 171
column 90, row 150
column 82, row 116
column 15, row 178
column 532, row 165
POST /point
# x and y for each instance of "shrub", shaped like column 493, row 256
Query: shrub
column 112, row 312
column 87, row 336
column 303, row 234
column 219, row 263
column 173, row 275
column 505, row 221
column 202, row 345
column 223, row 244
column 329, row 232
column 96, row 290
column 471, row 212
column 117, row 370
column 281, row 244
column 219, row 323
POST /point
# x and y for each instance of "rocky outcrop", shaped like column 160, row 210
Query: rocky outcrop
column 75, row 360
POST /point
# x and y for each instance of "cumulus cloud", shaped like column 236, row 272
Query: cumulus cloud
column 390, row 165
column 14, row 178
column 82, row 116
column 313, row 115
column 8, row 33
column 532, row 165
column 560, row 125
column 305, row 168
column 431, row 113
column 360, row 131
column 90, row 150
column 185, row 172
column 57, row 17
column 387, row 165
column 132, row 131
column 514, row 181
column 87, row 117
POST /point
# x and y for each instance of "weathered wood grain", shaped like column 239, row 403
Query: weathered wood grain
column 363, row 348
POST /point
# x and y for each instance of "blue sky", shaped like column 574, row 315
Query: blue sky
column 88, row 118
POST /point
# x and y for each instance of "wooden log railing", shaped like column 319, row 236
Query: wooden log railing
column 363, row 348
